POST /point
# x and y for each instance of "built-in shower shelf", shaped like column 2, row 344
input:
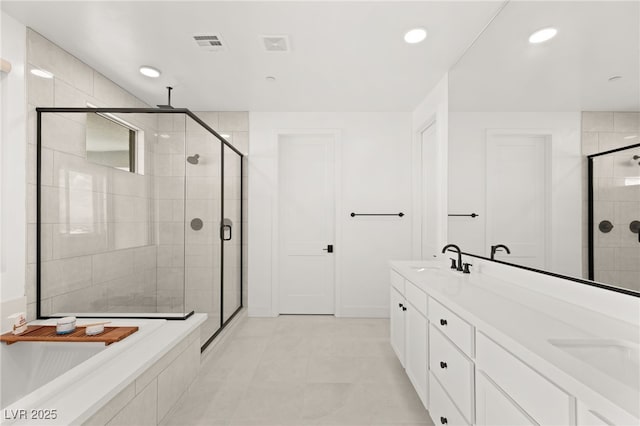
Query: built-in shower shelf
column 47, row 333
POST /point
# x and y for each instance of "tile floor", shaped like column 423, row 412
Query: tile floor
column 302, row 370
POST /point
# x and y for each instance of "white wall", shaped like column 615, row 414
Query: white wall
column 467, row 179
column 373, row 173
column 435, row 107
column 13, row 164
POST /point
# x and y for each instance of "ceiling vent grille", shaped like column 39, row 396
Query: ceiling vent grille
column 210, row 42
column 276, row 43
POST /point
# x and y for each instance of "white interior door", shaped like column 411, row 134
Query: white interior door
column 517, row 202
column 306, row 224
column 429, row 192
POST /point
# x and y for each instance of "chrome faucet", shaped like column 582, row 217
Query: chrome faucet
column 453, row 246
column 497, row 247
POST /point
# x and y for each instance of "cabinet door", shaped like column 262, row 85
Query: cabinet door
column 495, row 408
column 416, row 351
column 397, row 323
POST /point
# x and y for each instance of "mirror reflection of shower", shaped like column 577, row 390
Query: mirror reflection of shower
column 193, row 159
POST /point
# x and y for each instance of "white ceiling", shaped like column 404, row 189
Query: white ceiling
column 596, row 40
column 346, row 56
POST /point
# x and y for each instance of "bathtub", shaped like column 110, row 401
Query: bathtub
column 66, row 383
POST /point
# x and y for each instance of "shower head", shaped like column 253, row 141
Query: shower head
column 193, row 159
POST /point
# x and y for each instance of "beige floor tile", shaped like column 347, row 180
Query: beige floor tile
column 332, row 369
column 302, row 371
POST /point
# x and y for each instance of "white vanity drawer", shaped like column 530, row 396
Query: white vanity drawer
column 454, row 371
column 541, row 399
column 441, row 409
column 455, row 328
column 416, row 297
column 397, row 281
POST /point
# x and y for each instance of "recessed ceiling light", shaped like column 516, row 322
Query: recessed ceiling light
column 41, row 73
column 164, row 136
column 415, row 35
column 270, row 78
column 149, row 71
column 615, row 78
column 542, row 35
column 631, row 137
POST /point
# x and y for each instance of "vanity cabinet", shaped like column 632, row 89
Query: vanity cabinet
column 441, row 409
column 495, row 408
column 468, row 375
column 542, row 400
column 416, row 349
column 454, row 371
column 409, row 328
column 397, row 319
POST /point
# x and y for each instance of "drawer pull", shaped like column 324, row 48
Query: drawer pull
column 443, row 364
column 443, row 322
column 404, row 308
column 443, row 420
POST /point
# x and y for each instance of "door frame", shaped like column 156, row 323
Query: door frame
column 275, row 213
column 548, row 147
column 436, row 120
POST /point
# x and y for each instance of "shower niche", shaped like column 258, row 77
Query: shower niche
column 139, row 214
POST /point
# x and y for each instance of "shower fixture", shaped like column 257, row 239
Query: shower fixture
column 193, row 159
column 168, row 105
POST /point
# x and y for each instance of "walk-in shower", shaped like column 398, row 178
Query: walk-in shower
column 614, row 217
column 127, row 225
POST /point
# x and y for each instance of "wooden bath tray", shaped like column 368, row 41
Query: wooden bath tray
column 47, row 333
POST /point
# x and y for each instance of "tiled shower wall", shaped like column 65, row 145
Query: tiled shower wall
column 616, row 196
column 131, row 257
column 105, row 259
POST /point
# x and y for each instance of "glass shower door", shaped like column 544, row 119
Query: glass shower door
column 202, row 214
column 231, row 233
column 616, row 225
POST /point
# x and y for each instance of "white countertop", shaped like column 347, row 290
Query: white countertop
column 524, row 321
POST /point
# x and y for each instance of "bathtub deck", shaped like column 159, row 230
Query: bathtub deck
column 47, row 333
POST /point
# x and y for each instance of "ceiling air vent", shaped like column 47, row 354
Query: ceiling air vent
column 275, row 43
column 210, row 42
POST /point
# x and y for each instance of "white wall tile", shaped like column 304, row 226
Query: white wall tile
column 40, row 90
column 112, row 265
column 233, row 121
column 626, row 122
column 597, row 121
column 63, row 134
column 65, row 275
column 65, row 95
column 175, row 379
column 141, row 411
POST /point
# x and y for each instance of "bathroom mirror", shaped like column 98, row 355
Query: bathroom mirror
column 111, row 142
column 524, row 115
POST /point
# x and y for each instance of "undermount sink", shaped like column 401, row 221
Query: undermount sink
column 423, row 268
column 620, row 360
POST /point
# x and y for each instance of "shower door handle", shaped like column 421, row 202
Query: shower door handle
column 226, row 225
column 223, row 228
